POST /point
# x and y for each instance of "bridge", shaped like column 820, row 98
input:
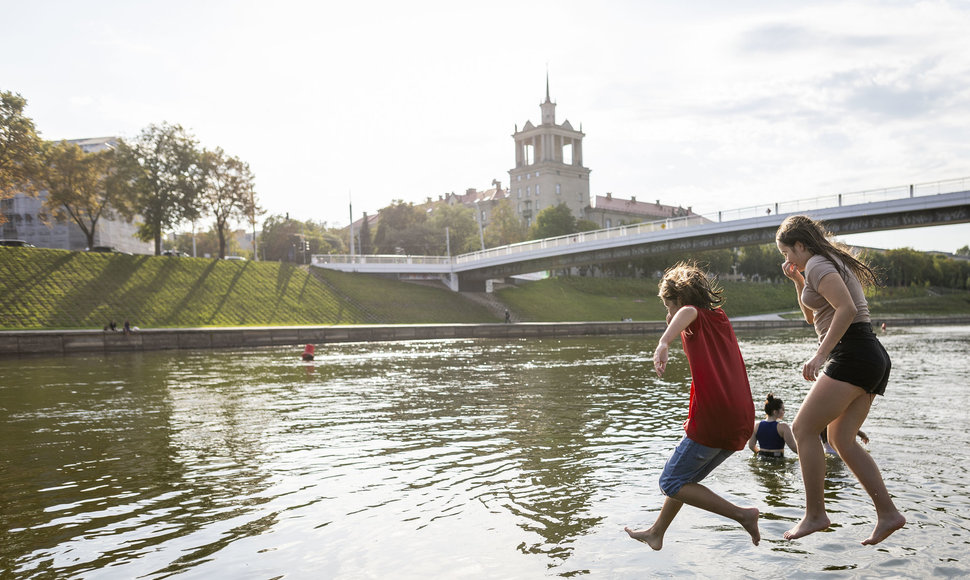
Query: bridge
column 904, row 207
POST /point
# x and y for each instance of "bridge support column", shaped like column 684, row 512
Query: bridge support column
column 466, row 285
column 452, row 281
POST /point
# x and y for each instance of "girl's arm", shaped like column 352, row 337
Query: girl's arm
column 753, row 441
column 834, row 290
column 677, row 324
column 787, row 435
column 795, row 276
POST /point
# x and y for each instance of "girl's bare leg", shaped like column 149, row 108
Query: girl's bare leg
column 842, row 434
column 654, row 535
column 826, row 401
column 701, row 497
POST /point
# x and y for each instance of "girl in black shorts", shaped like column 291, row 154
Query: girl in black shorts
column 849, row 368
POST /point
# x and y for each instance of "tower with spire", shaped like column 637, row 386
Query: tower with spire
column 548, row 166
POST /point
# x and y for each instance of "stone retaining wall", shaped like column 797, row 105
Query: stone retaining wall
column 13, row 343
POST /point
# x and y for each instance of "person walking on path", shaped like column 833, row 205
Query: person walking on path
column 849, row 368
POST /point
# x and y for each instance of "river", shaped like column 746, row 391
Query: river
column 450, row 459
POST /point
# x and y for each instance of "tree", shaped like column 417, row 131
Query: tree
column 163, row 175
column 395, row 221
column 462, row 229
column 761, row 260
column 553, row 221
column 80, row 186
column 20, row 149
column 228, row 193
column 505, row 226
column 964, row 251
column 276, row 239
column 329, row 242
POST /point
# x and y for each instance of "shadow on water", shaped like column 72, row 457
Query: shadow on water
column 458, row 459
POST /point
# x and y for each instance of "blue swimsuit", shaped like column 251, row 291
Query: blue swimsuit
column 768, row 438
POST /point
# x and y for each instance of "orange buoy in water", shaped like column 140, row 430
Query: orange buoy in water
column 308, row 352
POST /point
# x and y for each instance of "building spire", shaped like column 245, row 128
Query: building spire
column 548, row 107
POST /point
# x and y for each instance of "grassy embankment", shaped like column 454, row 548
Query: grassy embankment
column 56, row 289
column 615, row 299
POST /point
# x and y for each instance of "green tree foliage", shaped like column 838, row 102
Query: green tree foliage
column 277, row 238
column 398, row 230
column 20, row 149
column 282, row 237
column 206, row 243
column 964, row 251
column 328, row 242
column 81, row 187
column 552, row 222
column 229, row 192
column 762, row 261
column 585, row 225
column 907, row 267
column 461, row 227
column 164, row 175
column 504, row 227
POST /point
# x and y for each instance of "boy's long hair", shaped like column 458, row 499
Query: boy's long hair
column 813, row 235
column 686, row 283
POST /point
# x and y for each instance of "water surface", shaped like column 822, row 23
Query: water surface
column 449, row 459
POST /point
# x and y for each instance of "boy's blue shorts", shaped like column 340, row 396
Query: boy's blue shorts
column 690, row 463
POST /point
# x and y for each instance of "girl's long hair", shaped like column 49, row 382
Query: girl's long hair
column 686, row 283
column 813, row 235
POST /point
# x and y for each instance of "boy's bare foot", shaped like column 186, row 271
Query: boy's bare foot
column 884, row 528
column 647, row 537
column 750, row 523
column 808, row 526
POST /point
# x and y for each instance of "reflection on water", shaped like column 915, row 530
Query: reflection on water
column 460, row 458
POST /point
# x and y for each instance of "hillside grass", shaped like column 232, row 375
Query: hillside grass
column 576, row 298
column 58, row 289
column 391, row 301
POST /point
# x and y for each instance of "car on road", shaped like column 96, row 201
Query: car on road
column 175, row 254
column 105, row 250
column 16, row 244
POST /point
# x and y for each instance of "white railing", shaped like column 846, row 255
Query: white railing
column 801, row 205
column 380, row 259
column 843, row 199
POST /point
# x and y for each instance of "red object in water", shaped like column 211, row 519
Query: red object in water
column 308, row 352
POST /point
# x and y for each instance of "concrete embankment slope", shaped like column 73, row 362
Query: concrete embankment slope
column 13, row 343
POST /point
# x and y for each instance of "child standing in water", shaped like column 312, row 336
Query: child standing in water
column 720, row 412
column 771, row 435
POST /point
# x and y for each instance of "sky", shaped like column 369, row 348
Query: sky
column 708, row 104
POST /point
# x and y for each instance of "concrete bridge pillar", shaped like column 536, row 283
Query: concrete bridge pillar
column 466, row 284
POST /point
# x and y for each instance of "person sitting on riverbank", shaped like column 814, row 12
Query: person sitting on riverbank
column 771, row 435
column 720, row 412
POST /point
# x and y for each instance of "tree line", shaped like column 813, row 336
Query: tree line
column 162, row 176
column 899, row 267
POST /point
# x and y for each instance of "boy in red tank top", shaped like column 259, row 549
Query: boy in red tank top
column 720, row 412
